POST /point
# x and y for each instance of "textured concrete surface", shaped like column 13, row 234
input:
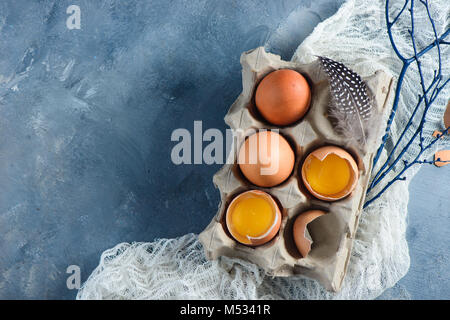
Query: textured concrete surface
column 428, row 237
column 85, row 123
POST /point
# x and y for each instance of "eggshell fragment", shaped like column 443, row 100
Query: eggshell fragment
column 443, row 155
column 321, row 154
column 271, row 231
column 446, row 120
column 447, row 116
column 300, row 230
column 266, row 159
column 283, row 97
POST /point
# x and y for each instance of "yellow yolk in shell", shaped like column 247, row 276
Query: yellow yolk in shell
column 252, row 216
column 330, row 176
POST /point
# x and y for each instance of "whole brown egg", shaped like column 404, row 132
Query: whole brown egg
column 283, row 97
column 266, row 159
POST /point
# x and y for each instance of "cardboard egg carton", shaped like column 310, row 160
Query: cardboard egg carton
column 333, row 233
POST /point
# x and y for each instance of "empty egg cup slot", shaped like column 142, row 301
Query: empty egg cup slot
column 223, row 217
column 254, row 112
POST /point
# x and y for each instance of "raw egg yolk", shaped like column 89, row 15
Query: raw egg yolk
column 329, row 176
column 252, row 217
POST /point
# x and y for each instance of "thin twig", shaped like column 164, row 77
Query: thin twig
column 406, row 63
column 428, row 97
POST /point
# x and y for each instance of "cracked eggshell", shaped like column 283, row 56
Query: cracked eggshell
column 443, row 155
column 272, row 230
column 321, row 154
column 300, row 232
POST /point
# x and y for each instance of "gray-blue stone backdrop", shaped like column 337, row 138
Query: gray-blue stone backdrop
column 86, row 118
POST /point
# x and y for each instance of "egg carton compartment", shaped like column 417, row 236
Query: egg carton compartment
column 332, row 234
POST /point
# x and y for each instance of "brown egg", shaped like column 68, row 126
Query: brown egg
column 301, row 222
column 283, row 97
column 266, row 159
column 253, row 218
column 330, row 173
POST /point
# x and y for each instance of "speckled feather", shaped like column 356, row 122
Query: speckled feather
column 351, row 106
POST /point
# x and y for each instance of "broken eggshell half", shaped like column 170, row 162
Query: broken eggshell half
column 323, row 153
column 442, row 158
column 272, row 228
column 300, row 232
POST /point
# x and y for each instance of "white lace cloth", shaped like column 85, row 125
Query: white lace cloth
column 177, row 268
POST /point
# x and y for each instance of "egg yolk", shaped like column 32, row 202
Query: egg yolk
column 329, row 176
column 252, row 216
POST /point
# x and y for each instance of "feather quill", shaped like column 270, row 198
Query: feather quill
column 351, row 108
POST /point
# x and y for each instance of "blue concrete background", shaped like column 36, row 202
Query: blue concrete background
column 85, row 123
column 428, row 237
